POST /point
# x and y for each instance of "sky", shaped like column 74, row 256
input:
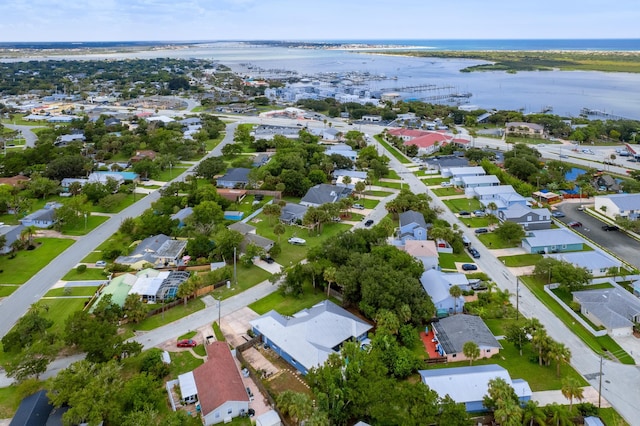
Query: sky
column 190, row 20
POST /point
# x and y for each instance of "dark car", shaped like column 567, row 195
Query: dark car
column 187, row 343
column 609, row 228
column 474, row 253
column 464, row 213
column 469, row 267
column 369, row 222
column 557, row 214
column 574, row 224
column 268, row 259
column 482, row 231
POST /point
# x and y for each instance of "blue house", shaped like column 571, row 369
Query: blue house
column 469, row 385
column 412, row 226
column 181, row 215
column 308, row 338
column 42, row 218
column 552, row 241
column 234, row 178
column 437, row 284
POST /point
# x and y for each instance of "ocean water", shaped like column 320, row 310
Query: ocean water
column 567, row 92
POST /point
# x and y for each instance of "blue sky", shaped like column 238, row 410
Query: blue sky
column 119, row 20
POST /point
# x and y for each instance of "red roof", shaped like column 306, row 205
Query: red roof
column 412, row 133
column 428, row 140
column 218, row 380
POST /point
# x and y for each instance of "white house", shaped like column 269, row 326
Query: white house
column 623, row 205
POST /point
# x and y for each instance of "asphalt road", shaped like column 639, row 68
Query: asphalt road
column 617, row 242
column 27, row 133
column 620, row 381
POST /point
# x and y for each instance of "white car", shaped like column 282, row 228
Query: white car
column 297, row 241
column 101, row 264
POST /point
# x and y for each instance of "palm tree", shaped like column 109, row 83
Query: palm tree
column 493, row 207
column 471, row 350
column 571, row 389
column 532, row 413
column 540, row 340
column 28, row 232
column 508, row 413
column 558, row 414
column 455, row 292
column 360, row 187
column 561, row 354
column 330, row 277
column 278, row 230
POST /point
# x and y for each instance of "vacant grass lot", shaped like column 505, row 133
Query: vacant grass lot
column 92, row 223
column 60, row 309
column 288, row 305
column 7, row 289
column 393, row 150
column 475, row 222
column 394, row 185
column 170, row 174
column 169, row 316
column 247, row 278
column 378, row 193
column 72, row 291
column 126, row 202
column 468, row 204
column 492, row 241
column 446, row 192
column 88, row 274
column 604, row 345
column 93, row 257
column 521, row 260
column 28, row 262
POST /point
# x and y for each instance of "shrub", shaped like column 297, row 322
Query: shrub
column 81, row 268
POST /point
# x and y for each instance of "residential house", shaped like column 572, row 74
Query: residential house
column 454, row 331
column 118, row 288
column 547, row 197
column 469, row 385
column 251, row 237
column 11, row 233
column 64, row 140
column 34, row 409
column 597, row 262
column 292, row 213
column 306, row 339
column 446, row 162
column 324, row 193
column 261, row 159
column 326, row 134
column 181, row 215
column 552, row 241
column 459, row 172
column 529, row 218
column 622, row 205
column 468, row 182
column 233, row 195
column 154, row 286
column 429, row 143
column 425, row 251
column 412, row 226
column 407, row 134
column 612, row 308
column 503, row 196
column 43, row 218
column 355, row 176
column 217, row 386
column 158, row 250
column 234, row 178
column 343, row 150
column 120, row 177
column 608, row 182
column 437, row 284
column 524, row 129
column 143, row 154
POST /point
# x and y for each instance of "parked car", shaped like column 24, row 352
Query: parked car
column 187, row 343
column 358, row 206
column 574, row 224
column 101, row 264
column 464, row 213
column 479, row 213
column 609, row 228
column 474, row 253
column 297, row 241
column 469, row 267
column 369, row 222
column 581, row 208
column 268, row 259
column 558, row 214
column 479, row 286
column 481, row 231
column 445, row 184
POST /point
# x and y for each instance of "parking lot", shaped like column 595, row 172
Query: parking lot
column 618, row 242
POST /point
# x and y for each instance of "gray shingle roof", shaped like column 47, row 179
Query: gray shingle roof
column 553, row 237
column 325, row 193
column 613, row 307
column 626, row 201
column 454, row 331
column 410, row 217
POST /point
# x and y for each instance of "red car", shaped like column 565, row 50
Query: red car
column 187, row 343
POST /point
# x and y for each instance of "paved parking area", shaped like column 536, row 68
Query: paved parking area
column 617, row 242
column 235, row 325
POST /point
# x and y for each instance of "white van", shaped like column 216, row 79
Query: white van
column 466, row 241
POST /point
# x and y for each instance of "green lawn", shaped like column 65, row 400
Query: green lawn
column 378, row 193
column 28, row 262
column 492, row 241
column 521, row 259
column 126, row 202
column 435, row 180
column 394, row 185
column 92, row 223
column 604, row 345
column 7, row 289
column 368, row 203
column 72, row 291
column 611, row 417
column 60, row 309
column 93, row 257
column 393, row 150
column 170, row 174
column 183, row 362
column 288, row 305
column 445, row 192
column 392, row 175
column 448, row 260
column 88, row 274
column 169, row 316
column 475, row 222
column 247, row 278
column 468, row 204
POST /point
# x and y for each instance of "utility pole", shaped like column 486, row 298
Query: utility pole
column 600, row 385
column 517, row 298
column 235, row 274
